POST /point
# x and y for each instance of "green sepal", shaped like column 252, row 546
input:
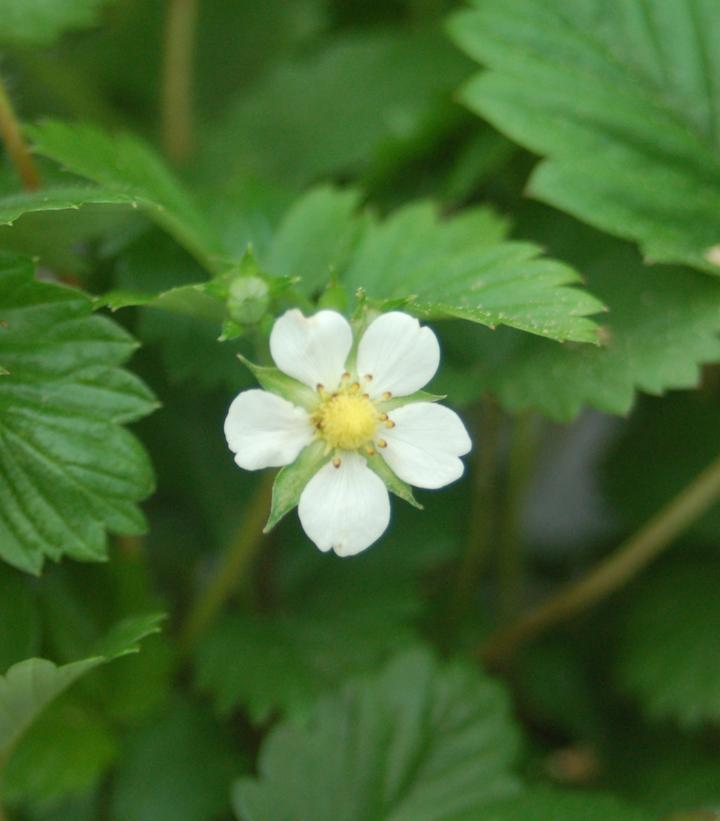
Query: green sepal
column 280, row 383
column 396, row 485
column 291, row 480
column 399, row 401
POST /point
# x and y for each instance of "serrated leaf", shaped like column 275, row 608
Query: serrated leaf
column 66, row 198
column 159, row 780
column 68, row 469
column 546, row 804
column 417, row 742
column 29, row 686
column 621, row 98
column 462, row 268
column 330, row 628
column 669, row 650
column 316, row 237
column 40, row 22
column 127, row 167
column 291, row 480
column 661, row 327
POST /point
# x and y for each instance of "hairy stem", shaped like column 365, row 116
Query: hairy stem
column 231, row 568
column 511, row 558
column 481, row 516
column 15, row 144
column 177, row 85
column 614, row 571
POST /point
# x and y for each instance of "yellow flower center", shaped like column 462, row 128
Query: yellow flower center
column 346, row 420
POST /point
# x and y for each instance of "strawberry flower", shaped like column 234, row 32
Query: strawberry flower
column 347, row 421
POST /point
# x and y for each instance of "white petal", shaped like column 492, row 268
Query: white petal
column 400, row 355
column 312, row 349
column 424, row 446
column 345, row 508
column 266, row 431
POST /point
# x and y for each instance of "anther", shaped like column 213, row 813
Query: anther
column 389, row 423
column 387, row 395
column 355, row 387
column 368, row 377
column 336, row 462
column 383, row 417
column 319, row 387
column 370, row 451
column 345, row 376
column 381, row 443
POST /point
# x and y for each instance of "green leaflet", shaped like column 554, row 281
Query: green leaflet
column 661, row 326
column 463, row 268
column 622, row 99
column 127, row 167
column 29, row 686
column 677, row 678
column 416, row 742
column 68, row 469
column 39, row 22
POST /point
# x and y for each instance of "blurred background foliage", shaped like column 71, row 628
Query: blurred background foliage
column 354, row 689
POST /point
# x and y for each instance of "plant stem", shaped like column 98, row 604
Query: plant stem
column 177, row 87
column 614, row 571
column 511, row 558
column 15, row 144
column 481, row 510
column 232, row 567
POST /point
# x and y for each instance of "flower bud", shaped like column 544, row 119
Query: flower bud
column 248, row 299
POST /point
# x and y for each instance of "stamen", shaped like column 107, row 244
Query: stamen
column 387, row 395
column 389, row 423
column 368, row 377
column 336, row 462
column 381, row 443
column 355, row 387
column 370, row 451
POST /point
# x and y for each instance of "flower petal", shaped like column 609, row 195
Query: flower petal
column 266, row 431
column 345, row 508
column 424, row 446
column 399, row 354
column 312, row 349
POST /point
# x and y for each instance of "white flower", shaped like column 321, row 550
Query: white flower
column 352, row 407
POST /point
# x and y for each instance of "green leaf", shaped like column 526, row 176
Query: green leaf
column 341, row 107
column 29, row 686
column 621, row 98
column 662, row 326
column 68, row 469
column 20, row 630
column 127, row 167
column 291, row 480
column 462, row 268
column 417, row 742
column 669, row 651
column 175, row 768
column 545, row 804
column 65, row 198
column 316, row 237
column 38, row 774
column 330, row 628
column 40, row 22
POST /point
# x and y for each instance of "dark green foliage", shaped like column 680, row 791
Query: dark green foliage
column 343, row 155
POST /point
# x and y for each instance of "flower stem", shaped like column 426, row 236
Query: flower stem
column 177, row 86
column 481, row 517
column 15, row 144
column 231, row 568
column 511, row 558
column 614, row 571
